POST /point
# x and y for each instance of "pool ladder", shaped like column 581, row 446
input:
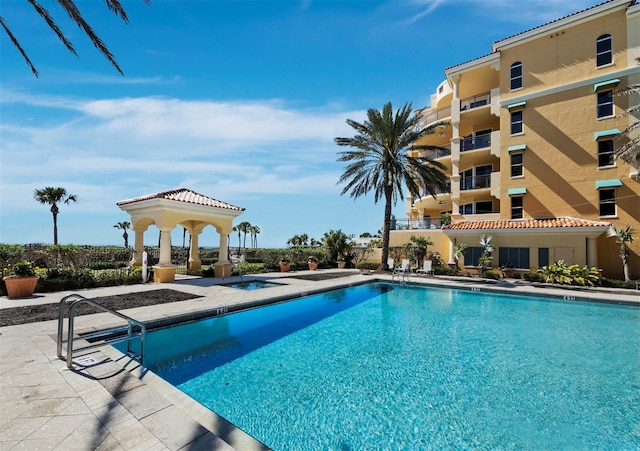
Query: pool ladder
column 401, row 277
column 132, row 331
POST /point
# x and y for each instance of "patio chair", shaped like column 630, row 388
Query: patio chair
column 390, row 264
column 404, row 268
column 427, row 267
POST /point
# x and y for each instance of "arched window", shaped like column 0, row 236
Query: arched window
column 516, row 75
column 604, row 50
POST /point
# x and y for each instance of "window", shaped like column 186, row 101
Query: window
column 516, row 76
column 517, row 122
column 607, row 202
column 479, row 208
column 605, row 105
column 605, row 153
column 517, row 210
column 604, row 50
column 543, row 257
column 472, row 256
column 517, row 166
column 518, row 256
column 484, row 207
column 478, row 177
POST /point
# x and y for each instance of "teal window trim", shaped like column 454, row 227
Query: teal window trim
column 516, row 105
column 613, row 183
column 517, row 148
column 615, row 81
column 517, row 191
column 604, row 133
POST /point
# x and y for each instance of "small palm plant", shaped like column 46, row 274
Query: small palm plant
column 458, row 253
column 623, row 236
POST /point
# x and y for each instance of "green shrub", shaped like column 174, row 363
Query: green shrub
column 249, row 268
column 532, row 277
column 615, row 283
column 559, row 272
column 368, row 265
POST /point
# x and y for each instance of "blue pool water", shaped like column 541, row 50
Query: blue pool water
column 252, row 285
column 380, row 367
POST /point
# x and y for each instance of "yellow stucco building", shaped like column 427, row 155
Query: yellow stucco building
column 530, row 148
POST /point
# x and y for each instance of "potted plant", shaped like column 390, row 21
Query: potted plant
column 21, row 280
column 507, row 269
column 342, row 262
column 285, row 264
column 313, row 262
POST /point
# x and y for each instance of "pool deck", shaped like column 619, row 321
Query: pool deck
column 105, row 402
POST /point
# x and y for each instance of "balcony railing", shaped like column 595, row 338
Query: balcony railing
column 435, row 116
column 476, row 142
column 434, row 154
column 477, row 182
column 415, row 224
column 447, row 190
column 475, row 101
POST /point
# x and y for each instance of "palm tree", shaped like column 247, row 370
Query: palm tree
column 124, row 225
column 623, row 236
column 73, row 12
column 53, row 196
column 458, row 253
column 336, row 243
column 237, row 229
column 254, row 231
column 244, row 228
column 380, row 161
column 419, row 245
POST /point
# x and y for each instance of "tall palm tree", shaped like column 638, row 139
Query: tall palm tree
column 72, row 10
column 420, row 244
column 380, row 161
column 53, row 196
column 623, row 236
column 254, row 231
column 244, row 228
column 124, row 225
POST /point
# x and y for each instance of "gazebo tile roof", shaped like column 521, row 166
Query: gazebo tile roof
column 183, row 195
column 562, row 222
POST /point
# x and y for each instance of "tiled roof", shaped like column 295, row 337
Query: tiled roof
column 556, row 20
column 565, row 222
column 183, row 195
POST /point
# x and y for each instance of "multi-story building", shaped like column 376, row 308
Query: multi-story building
column 533, row 128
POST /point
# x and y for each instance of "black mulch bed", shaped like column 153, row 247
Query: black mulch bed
column 46, row 312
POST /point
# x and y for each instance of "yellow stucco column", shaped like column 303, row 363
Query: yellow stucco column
column 592, row 251
column 138, row 247
column 222, row 268
column 194, row 259
column 164, row 271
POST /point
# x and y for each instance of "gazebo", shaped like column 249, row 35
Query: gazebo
column 184, row 207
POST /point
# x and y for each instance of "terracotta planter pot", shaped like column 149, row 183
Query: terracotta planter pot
column 20, row 287
column 341, row 265
column 284, row 267
column 313, row 266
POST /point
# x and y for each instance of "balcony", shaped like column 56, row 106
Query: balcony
column 476, row 142
column 477, row 182
column 434, row 154
column 476, row 101
column 435, row 116
column 415, row 224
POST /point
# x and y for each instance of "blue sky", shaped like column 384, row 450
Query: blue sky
column 236, row 100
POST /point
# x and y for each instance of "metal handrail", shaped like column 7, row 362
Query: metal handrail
column 73, row 300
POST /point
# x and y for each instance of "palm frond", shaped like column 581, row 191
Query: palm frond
column 16, row 43
column 42, row 11
column 74, row 13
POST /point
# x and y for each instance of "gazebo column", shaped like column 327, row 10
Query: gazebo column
column 138, row 247
column 194, row 259
column 222, row 268
column 164, row 271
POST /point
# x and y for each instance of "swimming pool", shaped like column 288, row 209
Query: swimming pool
column 381, row 367
column 251, row 285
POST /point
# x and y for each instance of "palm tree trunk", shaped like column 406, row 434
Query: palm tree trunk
column 54, row 212
column 385, row 228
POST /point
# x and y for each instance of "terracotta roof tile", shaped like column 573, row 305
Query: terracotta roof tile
column 563, row 222
column 183, row 195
